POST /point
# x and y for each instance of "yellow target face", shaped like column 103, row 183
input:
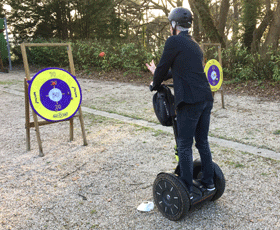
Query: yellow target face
column 214, row 74
column 54, row 94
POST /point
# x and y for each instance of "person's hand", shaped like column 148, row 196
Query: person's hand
column 151, row 67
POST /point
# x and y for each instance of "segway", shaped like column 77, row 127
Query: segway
column 170, row 193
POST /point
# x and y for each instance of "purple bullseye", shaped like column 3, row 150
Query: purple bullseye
column 55, row 97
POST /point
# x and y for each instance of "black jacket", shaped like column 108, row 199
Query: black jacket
column 184, row 56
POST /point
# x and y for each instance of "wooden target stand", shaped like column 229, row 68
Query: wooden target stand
column 36, row 123
column 220, row 61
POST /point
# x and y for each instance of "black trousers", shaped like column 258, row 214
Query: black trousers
column 193, row 121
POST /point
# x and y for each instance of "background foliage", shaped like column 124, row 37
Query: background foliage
column 133, row 32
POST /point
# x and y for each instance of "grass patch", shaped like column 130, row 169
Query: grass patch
column 9, row 82
column 235, row 164
column 93, row 212
column 238, row 165
column 95, row 119
column 249, row 132
column 240, row 141
column 277, row 132
column 146, row 129
column 159, row 132
column 142, row 128
column 6, row 82
column 122, row 114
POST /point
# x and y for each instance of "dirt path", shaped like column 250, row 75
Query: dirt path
column 100, row 186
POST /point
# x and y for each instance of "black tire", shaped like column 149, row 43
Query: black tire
column 171, row 196
column 219, row 179
column 197, row 173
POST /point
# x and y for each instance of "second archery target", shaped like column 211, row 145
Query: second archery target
column 214, row 74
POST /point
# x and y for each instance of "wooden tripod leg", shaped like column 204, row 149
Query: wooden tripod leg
column 222, row 97
column 71, row 129
column 82, row 126
column 41, row 154
column 27, row 116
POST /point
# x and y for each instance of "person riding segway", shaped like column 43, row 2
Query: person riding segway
column 182, row 60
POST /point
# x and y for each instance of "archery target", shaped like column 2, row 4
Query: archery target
column 54, row 94
column 214, row 73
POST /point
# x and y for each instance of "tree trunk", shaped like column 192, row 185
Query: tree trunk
column 235, row 27
column 207, row 21
column 223, row 17
column 196, row 28
column 196, row 23
column 250, row 10
column 272, row 39
column 258, row 33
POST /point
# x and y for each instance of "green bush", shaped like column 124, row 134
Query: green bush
column 123, row 56
column 126, row 56
column 275, row 60
column 238, row 63
column 43, row 56
column 241, row 65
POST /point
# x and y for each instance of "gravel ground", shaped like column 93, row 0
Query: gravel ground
column 100, row 186
column 249, row 120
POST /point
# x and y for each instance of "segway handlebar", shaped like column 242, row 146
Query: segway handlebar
column 169, row 85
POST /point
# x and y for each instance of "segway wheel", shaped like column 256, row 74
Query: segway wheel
column 171, row 196
column 219, row 179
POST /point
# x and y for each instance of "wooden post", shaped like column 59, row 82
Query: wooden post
column 71, row 122
column 25, row 61
column 82, row 126
column 27, row 116
column 37, row 123
column 35, row 118
column 72, row 69
column 220, row 61
column 222, row 97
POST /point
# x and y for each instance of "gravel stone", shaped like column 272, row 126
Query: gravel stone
column 99, row 186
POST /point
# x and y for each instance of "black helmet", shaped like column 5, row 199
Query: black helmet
column 180, row 17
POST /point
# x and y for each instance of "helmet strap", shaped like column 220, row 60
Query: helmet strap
column 174, row 31
column 173, row 24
